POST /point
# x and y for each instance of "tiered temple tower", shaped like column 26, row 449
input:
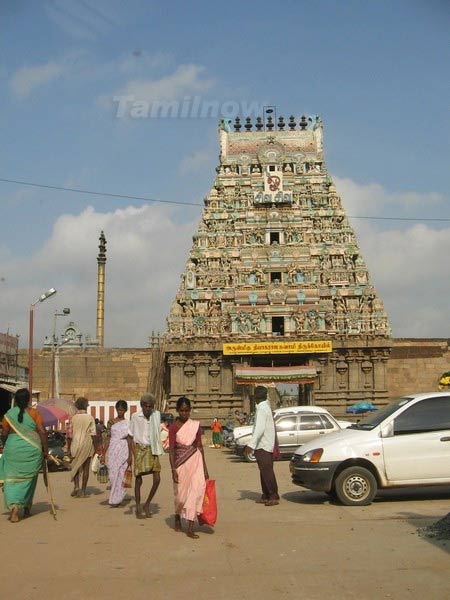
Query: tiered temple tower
column 275, row 287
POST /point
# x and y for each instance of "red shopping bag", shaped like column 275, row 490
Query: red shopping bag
column 127, row 478
column 208, row 515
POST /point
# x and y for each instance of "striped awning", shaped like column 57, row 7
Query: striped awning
column 13, row 387
column 296, row 374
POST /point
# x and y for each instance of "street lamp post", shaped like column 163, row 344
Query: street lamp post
column 55, row 354
column 41, row 298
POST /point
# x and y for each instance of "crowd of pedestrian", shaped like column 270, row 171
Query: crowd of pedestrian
column 122, row 444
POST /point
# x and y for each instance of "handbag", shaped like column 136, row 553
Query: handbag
column 127, row 478
column 95, row 464
column 208, row 516
column 102, row 475
column 276, row 451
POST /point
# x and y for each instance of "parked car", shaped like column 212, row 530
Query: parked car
column 404, row 444
column 227, row 432
column 295, row 425
column 240, row 431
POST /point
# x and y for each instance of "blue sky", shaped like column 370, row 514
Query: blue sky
column 375, row 71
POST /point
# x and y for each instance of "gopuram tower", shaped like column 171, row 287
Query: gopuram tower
column 275, row 288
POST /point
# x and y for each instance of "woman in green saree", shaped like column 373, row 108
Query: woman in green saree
column 25, row 445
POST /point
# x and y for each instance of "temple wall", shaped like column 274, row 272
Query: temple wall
column 415, row 365
column 109, row 374
column 97, row 373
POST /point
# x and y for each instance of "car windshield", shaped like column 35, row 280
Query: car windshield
column 371, row 421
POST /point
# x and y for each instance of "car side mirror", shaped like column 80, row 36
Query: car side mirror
column 387, row 430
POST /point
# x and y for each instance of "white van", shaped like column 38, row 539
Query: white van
column 405, row 444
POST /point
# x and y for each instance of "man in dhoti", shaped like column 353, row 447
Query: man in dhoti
column 144, row 440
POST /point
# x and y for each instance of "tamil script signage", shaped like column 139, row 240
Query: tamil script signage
column 278, row 347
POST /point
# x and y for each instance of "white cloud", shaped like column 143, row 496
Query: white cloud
column 185, row 80
column 407, row 260
column 141, row 61
column 373, row 200
column 146, row 253
column 26, row 79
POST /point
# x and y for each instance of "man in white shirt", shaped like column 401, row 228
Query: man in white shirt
column 144, row 441
column 263, row 444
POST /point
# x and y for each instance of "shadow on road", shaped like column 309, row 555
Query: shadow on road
column 427, row 530
column 411, row 494
column 306, row 497
column 249, row 495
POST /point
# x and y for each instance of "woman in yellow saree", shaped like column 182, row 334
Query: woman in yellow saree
column 189, row 472
column 25, row 444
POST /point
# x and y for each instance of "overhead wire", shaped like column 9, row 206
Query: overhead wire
column 178, row 202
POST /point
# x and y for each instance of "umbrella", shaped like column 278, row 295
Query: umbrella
column 66, row 405
column 361, row 407
column 51, row 414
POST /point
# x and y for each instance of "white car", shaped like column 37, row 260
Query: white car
column 295, row 425
column 405, row 444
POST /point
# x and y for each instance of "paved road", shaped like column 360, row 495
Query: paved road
column 305, row 547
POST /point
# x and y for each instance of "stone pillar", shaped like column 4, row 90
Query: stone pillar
column 379, row 372
column 214, row 375
column 353, row 372
column 226, row 376
column 201, row 363
column 176, row 364
column 101, row 262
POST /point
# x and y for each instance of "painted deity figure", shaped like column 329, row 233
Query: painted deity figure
column 242, row 322
column 299, row 319
column 313, row 321
column 224, row 323
column 255, row 319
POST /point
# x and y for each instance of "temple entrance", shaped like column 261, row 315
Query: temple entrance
column 305, row 394
column 289, row 385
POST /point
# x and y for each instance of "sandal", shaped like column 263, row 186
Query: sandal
column 74, row 493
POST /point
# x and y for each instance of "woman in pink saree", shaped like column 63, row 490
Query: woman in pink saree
column 189, row 472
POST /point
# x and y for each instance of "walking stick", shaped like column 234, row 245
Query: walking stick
column 48, row 487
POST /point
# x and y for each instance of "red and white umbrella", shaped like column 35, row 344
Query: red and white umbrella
column 51, row 414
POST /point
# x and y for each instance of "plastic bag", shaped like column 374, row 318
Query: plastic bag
column 208, row 515
column 102, row 475
column 95, row 463
column 128, row 478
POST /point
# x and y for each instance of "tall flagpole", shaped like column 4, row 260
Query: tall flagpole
column 101, row 261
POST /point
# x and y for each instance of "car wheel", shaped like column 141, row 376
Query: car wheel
column 355, row 486
column 250, row 457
